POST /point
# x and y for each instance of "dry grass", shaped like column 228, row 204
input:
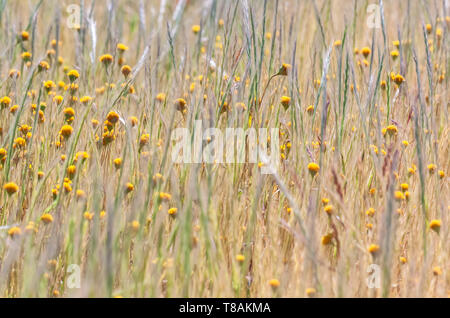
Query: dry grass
column 236, row 232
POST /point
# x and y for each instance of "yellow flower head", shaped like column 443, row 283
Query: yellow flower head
column 47, row 218
column 240, row 258
column 313, row 168
column 24, row 35
column 172, row 211
column 11, row 188
column 329, row 209
column 285, row 101
column 370, row 212
column 431, row 167
column 14, row 231
column 161, row 97
column 274, row 283
column 73, row 75
column 195, row 28
column 365, row 51
column 129, row 187
column 112, row 117
column 126, row 70
column 398, row 79
column 122, row 47
column 66, row 131
column 106, row 59
column 435, row 225
column 399, row 196
column 326, row 239
column 165, row 196
column 180, row 104
column 117, row 162
column 284, row 69
column 373, row 249
column 310, row 292
column 394, row 54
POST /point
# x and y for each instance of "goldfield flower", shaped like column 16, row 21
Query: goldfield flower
column 394, row 54
column 431, row 168
column 172, row 211
column 67, row 187
column 95, row 123
column 135, row 226
column 69, row 112
column 85, row 99
column 66, row 131
column 24, row 35
column 391, row 130
column 47, row 218
column 122, row 47
column 88, row 216
column 145, row 138
column 106, row 59
column 180, row 105
column 310, row 109
column 161, row 97
column 73, row 75
column 14, row 231
column 404, row 187
column 112, row 117
column 441, row 174
column 26, row 56
column 43, row 66
column 313, row 168
column 20, row 143
column 284, row 69
column 58, row 99
column 329, row 209
column 373, row 249
column 71, row 170
column 3, row 154
column 157, row 177
column 326, row 239
column 117, row 163
column 435, row 225
column 5, row 101
column 129, row 187
column 398, row 79
column 310, row 292
column 437, row 271
column 274, row 283
column 195, row 28
column 285, row 101
column 133, row 120
column 399, row 196
column 365, row 51
column 240, row 258
column 126, row 70
column 370, row 212
column 165, row 196
column 11, row 188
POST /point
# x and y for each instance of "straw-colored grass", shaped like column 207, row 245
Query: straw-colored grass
column 90, row 181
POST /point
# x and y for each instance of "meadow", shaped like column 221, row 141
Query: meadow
column 92, row 203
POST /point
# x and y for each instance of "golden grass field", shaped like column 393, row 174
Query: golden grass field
column 91, row 94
